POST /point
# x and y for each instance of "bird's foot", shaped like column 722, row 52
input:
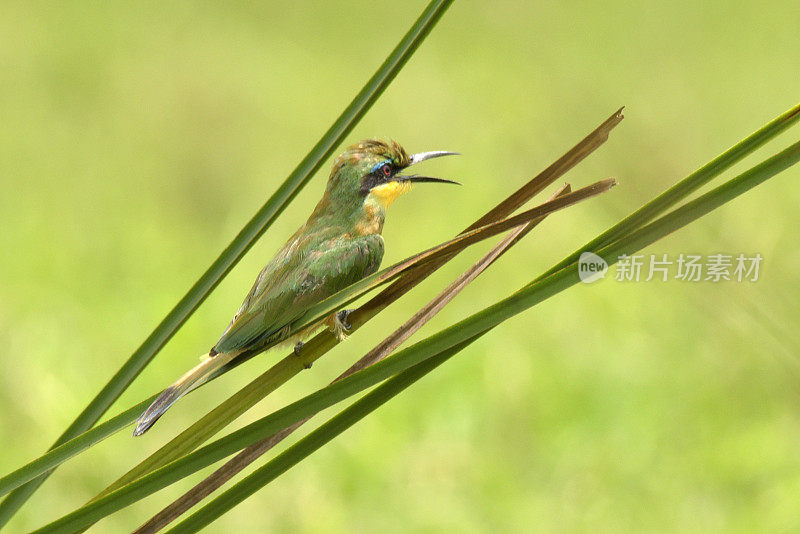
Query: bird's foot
column 297, row 348
column 341, row 325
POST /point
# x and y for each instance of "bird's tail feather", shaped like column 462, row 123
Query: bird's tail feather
column 194, row 378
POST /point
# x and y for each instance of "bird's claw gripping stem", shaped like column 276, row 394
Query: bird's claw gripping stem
column 342, row 318
column 297, row 347
column 341, row 325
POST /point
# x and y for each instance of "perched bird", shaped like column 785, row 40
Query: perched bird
column 339, row 244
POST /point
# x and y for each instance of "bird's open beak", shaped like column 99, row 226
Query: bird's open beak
column 422, row 156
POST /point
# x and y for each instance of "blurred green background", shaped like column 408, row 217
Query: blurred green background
column 136, row 139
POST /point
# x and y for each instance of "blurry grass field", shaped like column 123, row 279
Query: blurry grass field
column 135, row 142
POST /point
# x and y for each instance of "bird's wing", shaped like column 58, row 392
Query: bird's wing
column 281, row 294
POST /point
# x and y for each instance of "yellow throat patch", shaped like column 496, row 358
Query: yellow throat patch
column 387, row 193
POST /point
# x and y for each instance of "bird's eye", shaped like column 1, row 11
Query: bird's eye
column 386, row 170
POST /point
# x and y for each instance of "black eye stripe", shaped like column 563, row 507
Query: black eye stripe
column 378, row 176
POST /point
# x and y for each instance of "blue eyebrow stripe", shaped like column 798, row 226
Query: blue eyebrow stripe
column 378, row 165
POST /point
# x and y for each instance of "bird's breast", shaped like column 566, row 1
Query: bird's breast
column 371, row 220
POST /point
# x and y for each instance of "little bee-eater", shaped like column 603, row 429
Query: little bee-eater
column 339, row 244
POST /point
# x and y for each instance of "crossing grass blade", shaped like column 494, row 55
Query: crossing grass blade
column 688, row 185
column 66, row 450
column 241, row 243
column 316, row 439
column 438, row 343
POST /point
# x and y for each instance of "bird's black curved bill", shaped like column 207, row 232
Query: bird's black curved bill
column 416, row 179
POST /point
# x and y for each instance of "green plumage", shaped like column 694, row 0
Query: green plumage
column 294, row 281
column 339, row 244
